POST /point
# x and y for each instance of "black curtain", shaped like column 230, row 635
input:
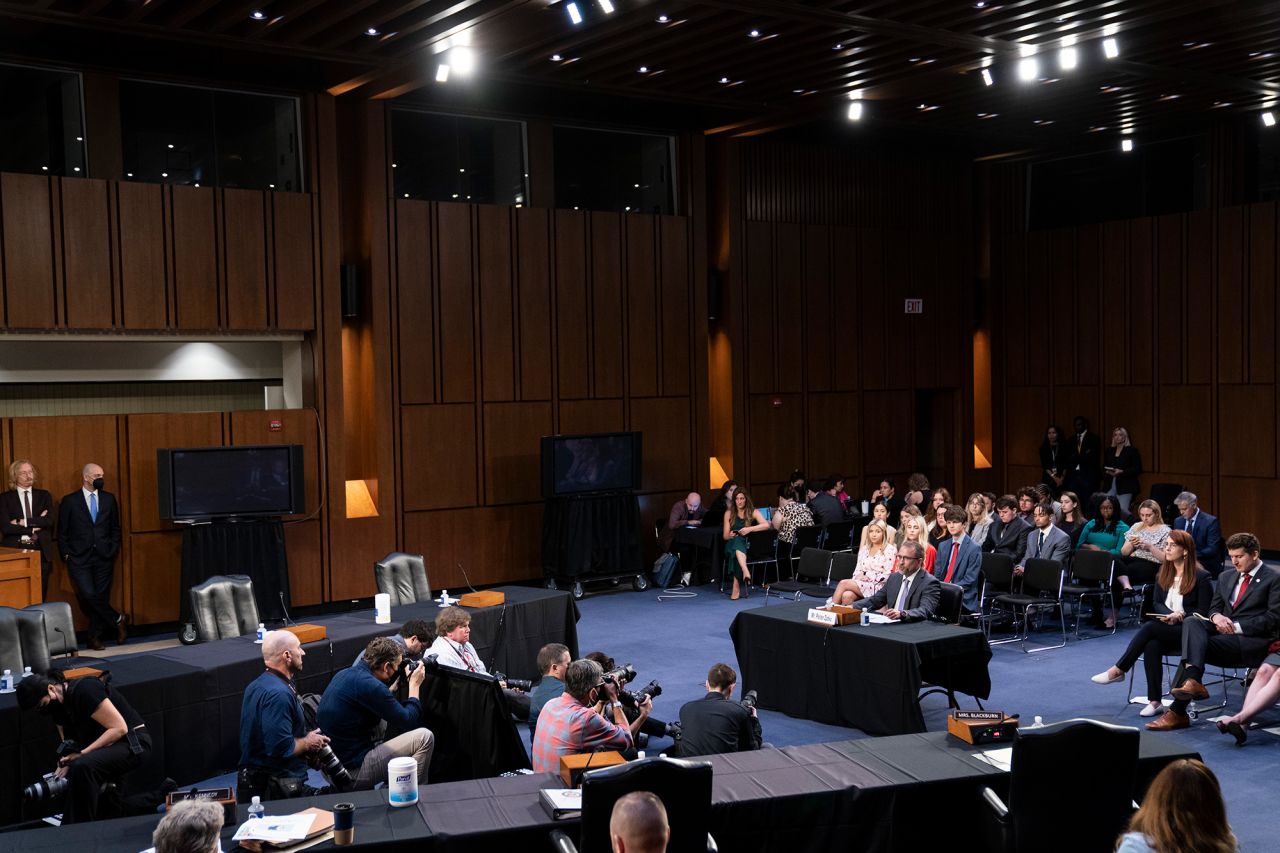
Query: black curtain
column 595, row 534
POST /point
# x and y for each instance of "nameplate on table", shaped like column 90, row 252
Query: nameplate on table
column 307, row 633
column 984, row 716
column 979, row 727
column 836, row 614
column 225, row 797
column 488, row 598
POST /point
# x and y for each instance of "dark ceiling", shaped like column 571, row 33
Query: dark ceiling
column 1182, row 63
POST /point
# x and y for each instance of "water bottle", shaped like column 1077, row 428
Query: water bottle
column 6, row 681
column 256, row 809
column 444, row 598
column 26, row 672
column 262, row 632
column 1038, row 723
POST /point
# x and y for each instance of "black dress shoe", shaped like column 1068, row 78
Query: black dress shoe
column 1235, row 730
column 96, row 644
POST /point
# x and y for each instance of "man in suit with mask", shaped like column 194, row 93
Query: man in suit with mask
column 918, row 601
column 89, row 538
column 26, row 518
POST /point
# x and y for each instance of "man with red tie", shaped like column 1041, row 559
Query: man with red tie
column 959, row 557
column 1243, row 620
column 26, row 518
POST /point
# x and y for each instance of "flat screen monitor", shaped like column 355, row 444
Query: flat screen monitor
column 586, row 464
column 229, row 482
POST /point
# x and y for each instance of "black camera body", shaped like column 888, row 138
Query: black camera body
column 621, row 675
column 749, row 700
column 328, row 764
column 633, row 698
column 521, row 684
column 49, row 790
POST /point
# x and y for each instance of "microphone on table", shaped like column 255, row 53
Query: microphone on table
column 462, row 569
column 287, row 619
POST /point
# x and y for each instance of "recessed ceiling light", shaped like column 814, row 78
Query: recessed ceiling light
column 1042, row 121
column 987, row 115
column 164, row 174
column 1168, row 97
column 1097, row 128
column 258, row 15
column 644, row 69
column 126, row 174
column 1217, row 104
column 1268, row 119
column 555, row 57
column 44, row 168
column 980, row 4
column 442, row 73
column 371, row 31
column 1110, row 48
column 724, row 80
column 986, row 76
column 1028, row 69
column 170, row 146
column 927, row 108
column 662, row 19
column 855, row 111
column 837, row 47
column 1126, row 145
column 575, row 14
column 606, row 6
column 754, row 34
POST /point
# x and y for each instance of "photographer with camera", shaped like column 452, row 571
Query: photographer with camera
column 623, row 675
column 359, row 699
column 553, row 662
column 452, row 647
column 110, row 738
column 585, row 718
column 275, row 746
column 713, row 724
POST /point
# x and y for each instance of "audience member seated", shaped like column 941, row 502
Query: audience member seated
column 918, row 494
column 585, row 718
column 1143, row 548
column 1204, row 529
column 841, row 495
column 1028, row 497
column 1245, row 616
column 191, row 826
column 452, row 647
column 651, row 726
column 979, row 518
column 1182, row 812
column 274, row 742
column 823, row 502
column 553, row 660
column 990, row 499
column 1055, row 459
column 1121, row 466
column 887, row 497
column 910, row 595
column 719, row 508
column 1044, row 495
column 960, row 558
column 1045, row 541
column 908, row 512
column 875, row 564
column 792, row 513
column 639, row 824
column 1072, row 517
column 743, row 520
column 937, row 527
column 715, row 724
column 880, row 513
column 1008, row 533
column 358, row 701
column 684, row 513
column 915, row 532
column 1263, row 693
column 414, row 638
column 1181, row 589
column 1104, row 532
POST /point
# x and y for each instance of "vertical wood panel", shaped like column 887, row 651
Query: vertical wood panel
column 1247, row 430
column 879, row 351
column 573, row 349
column 245, row 226
column 1115, row 284
column 664, row 424
column 1170, row 343
column 1231, row 298
column 889, row 438
column 86, row 253
column 534, row 317
column 580, row 416
column 415, row 306
column 847, row 301
column 28, row 252
column 195, row 257
column 607, row 304
column 818, row 290
column 642, row 305
column 757, row 308
column 1262, row 293
column 833, row 436
column 1141, row 301
column 776, row 436
column 438, row 456
column 1199, row 303
column 677, row 305
column 147, row 434
column 1013, row 311
column 293, row 252
column 789, row 302
column 454, row 285
column 1038, row 288
column 512, row 432
column 141, row 238
column 1089, row 352
column 1182, row 448
column 497, row 324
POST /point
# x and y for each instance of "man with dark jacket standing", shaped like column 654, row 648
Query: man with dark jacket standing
column 26, row 518
column 715, row 724
column 89, row 538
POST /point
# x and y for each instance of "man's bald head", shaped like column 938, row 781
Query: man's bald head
column 274, row 646
column 639, row 824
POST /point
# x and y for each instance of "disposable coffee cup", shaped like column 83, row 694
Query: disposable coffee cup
column 866, row 507
column 344, row 830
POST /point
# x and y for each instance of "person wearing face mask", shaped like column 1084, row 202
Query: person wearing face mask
column 89, row 538
column 26, row 518
column 110, row 737
column 585, row 718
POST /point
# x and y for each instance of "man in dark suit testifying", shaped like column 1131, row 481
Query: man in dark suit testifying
column 89, row 538
column 26, row 518
column 909, row 595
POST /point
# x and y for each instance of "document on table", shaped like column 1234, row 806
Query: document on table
column 879, row 619
column 277, row 828
column 1001, row 759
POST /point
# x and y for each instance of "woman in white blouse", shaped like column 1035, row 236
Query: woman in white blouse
column 875, row 564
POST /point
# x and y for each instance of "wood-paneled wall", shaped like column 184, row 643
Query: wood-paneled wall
column 515, row 323
column 1164, row 325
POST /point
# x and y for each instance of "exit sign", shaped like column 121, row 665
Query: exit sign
column 913, row 306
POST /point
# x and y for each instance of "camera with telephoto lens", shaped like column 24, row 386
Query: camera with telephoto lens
column 332, row 768
column 749, row 700
column 633, row 698
column 51, row 787
column 521, row 684
column 621, row 675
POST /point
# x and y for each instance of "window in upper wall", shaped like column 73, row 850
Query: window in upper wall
column 610, row 170
column 41, row 122
column 441, row 157
column 209, row 137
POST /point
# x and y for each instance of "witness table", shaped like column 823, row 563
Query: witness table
column 865, row 677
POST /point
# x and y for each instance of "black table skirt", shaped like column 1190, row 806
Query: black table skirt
column 905, row 793
column 867, row 678
column 253, row 548
column 591, row 535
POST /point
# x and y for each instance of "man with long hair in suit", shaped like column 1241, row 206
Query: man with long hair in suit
column 89, row 538
column 26, row 518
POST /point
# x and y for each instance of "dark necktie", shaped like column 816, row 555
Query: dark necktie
column 26, row 508
column 1039, row 544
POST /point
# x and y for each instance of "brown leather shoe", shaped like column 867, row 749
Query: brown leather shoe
column 96, row 644
column 122, row 632
column 1190, row 691
column 1169, row 721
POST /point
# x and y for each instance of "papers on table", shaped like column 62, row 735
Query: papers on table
column 1001, row 759
column 276, row 829
column 879, row 619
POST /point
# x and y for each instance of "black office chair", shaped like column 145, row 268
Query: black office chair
column 1094, row 573
column 950, row 609
column 997, row 580
column 59, row 626
column 224, row 606
column 808, row 536
column 403, row 577
column 22, row 641
column 1040, row 591
column 814, row 568
column 684, row 786
column 1046, row 766
column 838, row 536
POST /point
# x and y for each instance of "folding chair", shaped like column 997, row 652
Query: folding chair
column 815, row 565
column 997, row 579
column 838, row 536
column 1041, row 590
column 808, row 536
column 1094, row 571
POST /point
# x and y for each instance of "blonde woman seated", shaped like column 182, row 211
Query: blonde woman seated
column 915, row 531
column 880, row 513
column 979, row 518
column 908, row 513
column 875, row 564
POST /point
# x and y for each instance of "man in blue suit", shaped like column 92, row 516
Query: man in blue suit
column 89, row 539
column 959, row 558
column 1204, row 529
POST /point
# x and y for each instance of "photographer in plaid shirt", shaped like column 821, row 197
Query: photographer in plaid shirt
column 579, row 721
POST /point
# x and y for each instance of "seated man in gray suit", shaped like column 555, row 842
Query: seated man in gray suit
column 1046, row 541
column 909, row 595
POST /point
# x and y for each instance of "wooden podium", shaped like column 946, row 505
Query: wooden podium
column 19, row 577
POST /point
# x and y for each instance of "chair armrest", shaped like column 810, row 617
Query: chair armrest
column 712, row 847
column 997, row 804
column 561, row 843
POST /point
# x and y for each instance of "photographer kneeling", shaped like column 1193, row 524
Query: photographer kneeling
column 110, row 738
column 651, row 726
column 274, row 742
column 714, row 724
